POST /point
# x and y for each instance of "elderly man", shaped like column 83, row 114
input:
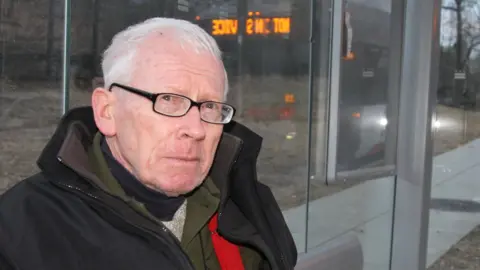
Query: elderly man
column 150, row 176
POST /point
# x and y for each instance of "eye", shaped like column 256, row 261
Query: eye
column 166, row 97
column 171, row 104
column 171, row 99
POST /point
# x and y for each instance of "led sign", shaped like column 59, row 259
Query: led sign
column 289, row 98
column 253, row 26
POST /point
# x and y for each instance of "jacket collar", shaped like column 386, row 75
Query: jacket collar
column 66, row 153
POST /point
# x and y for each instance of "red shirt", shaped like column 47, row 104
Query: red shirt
column 228, row 254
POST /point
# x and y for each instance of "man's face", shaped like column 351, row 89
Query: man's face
column 170, row 154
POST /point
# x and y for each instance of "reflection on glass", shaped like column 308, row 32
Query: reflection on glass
column 268, row 69
column 449, row 125
column 362, row 210
column 30, row 83
column 456, row 146
column 363, row 87
column 253, row 26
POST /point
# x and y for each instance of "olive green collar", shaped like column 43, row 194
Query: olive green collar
column 106, row 180
column 202, row 204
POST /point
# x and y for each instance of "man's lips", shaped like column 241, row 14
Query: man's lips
column 185, row 158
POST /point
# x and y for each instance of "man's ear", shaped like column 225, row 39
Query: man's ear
column 102, row 105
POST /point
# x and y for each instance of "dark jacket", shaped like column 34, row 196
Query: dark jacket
column 62, row 218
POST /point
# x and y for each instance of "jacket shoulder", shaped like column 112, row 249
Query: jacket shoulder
column 33, row 214
column 30, row 204
column 29, row 194
column 35, row 201
column 11, row 199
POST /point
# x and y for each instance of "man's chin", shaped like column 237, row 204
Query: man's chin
column 184, row 188
column 180, row 192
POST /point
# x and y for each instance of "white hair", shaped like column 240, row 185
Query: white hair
column 118, row 57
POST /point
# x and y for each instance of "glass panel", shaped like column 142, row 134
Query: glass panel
column 343, row 211
column 267, row 72
column 364, row 84
column 269, row 87
column 30, row 83
column 455, row 202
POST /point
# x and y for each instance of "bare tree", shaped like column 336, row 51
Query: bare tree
column 466, row 25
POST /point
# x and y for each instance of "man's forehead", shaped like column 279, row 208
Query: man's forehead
column 170, row 43
column 160, row 62
column 159, row 50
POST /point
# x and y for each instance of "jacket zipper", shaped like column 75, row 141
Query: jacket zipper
column 164, row 229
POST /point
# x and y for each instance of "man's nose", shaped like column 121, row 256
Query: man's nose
column 194, row 127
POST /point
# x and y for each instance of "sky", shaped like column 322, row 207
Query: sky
column 448, row 26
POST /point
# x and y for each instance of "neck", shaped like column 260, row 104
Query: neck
column 160, row 205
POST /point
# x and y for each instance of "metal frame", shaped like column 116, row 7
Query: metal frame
column 66, row 57
column 367, row 173
column 335, row 60
column 323, row 39
column 418, row 86
column 311, row 74
column 332, row 175
column 394, row 76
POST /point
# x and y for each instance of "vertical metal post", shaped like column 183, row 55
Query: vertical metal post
column 465, row 123
column 66, row 57
column 311, row 76
column 418, row 88
column 335, row 60
column 394, row 76
column 323, row 40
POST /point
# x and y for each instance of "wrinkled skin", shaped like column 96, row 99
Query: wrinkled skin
column 169, row 154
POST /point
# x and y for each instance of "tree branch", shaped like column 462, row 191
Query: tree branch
column 475, row 43
column 450, row 8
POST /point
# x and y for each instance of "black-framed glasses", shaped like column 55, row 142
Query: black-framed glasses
column 175, row 105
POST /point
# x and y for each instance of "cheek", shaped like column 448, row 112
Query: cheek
column 211, row 143
column 126, row 134
column 152, row 137
column 140, row 137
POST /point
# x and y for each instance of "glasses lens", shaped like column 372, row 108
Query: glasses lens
column 215, row 112
column 171, row 104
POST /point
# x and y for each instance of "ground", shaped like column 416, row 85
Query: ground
column 29, row 114
column 465, row 255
